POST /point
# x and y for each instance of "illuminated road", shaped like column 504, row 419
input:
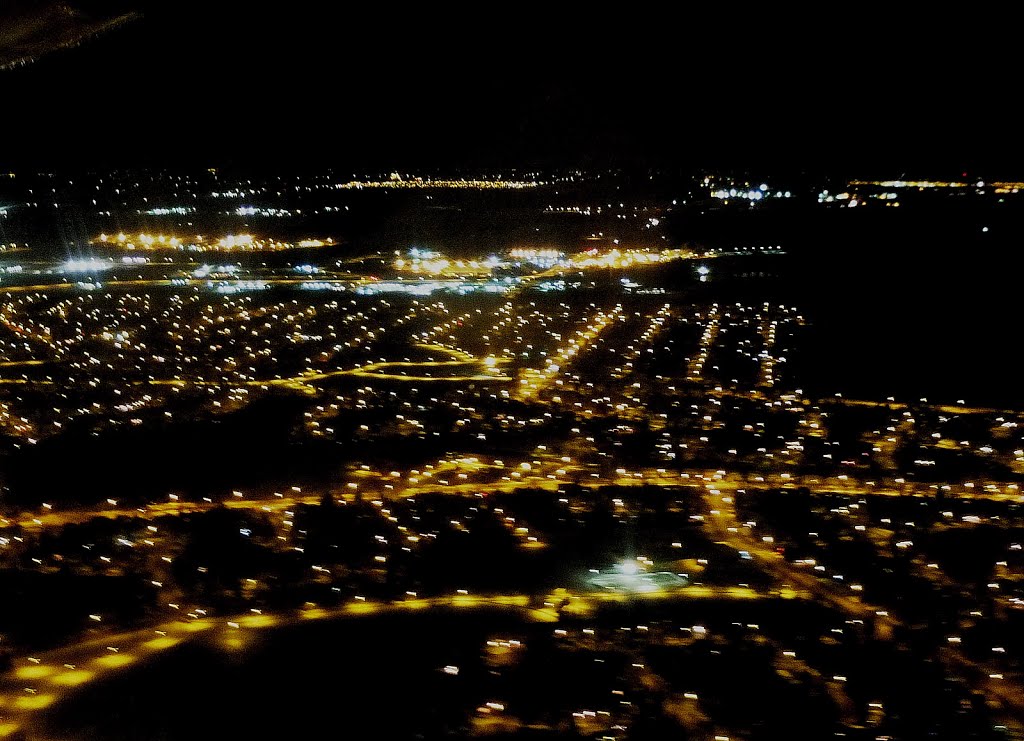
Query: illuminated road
column 304, row 383
column 35, row 685
column 726, row 525
column 945, row 408
column 535, row 380
column 723, row 481
column 38, row 682
column 488, row 372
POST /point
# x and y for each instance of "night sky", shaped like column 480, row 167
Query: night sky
column 316, row 84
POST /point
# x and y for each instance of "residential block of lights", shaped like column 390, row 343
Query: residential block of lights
column 647, row 467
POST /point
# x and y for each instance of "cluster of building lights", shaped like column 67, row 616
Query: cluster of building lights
column 542, row 258
column 918, row 184
column 86, row 265
column 199, row 243
column 1000, row 186
column 753, row 194
column 429, row 262
column 262, row 211
column 427, row 287
column 852, row 200
column 170, row 211
column 237, row 286
column 397, row 181
column 616, row 258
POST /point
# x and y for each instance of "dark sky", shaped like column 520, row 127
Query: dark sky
column 329, row 83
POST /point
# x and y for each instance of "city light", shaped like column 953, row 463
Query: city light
column 613, row 456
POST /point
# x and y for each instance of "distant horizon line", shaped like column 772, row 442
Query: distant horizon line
column 429, row 172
